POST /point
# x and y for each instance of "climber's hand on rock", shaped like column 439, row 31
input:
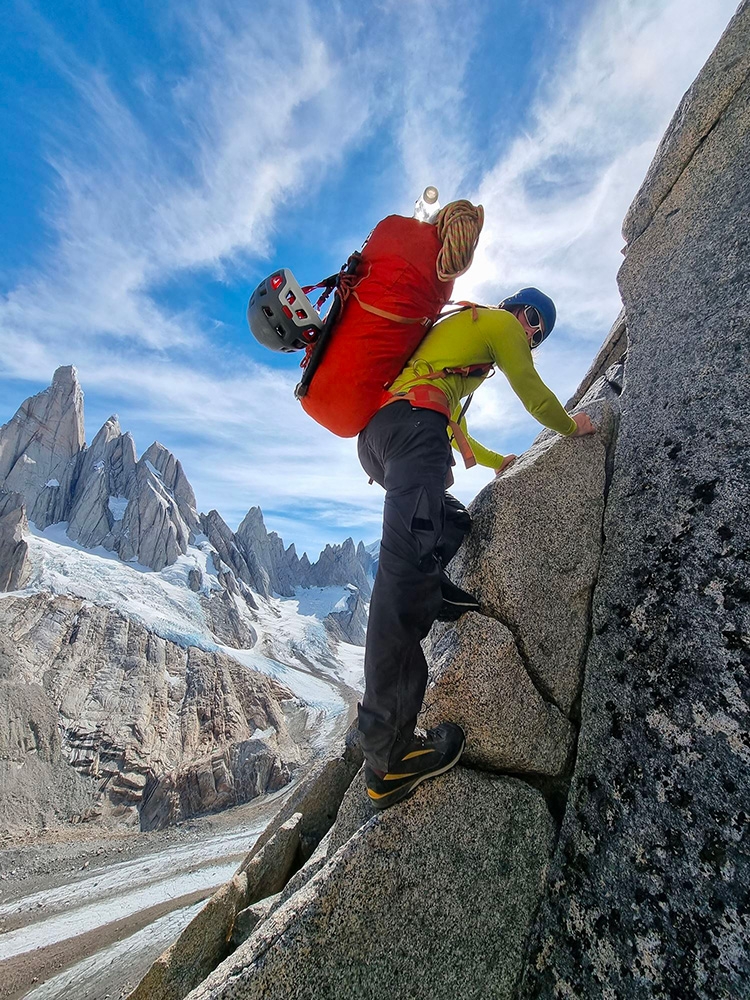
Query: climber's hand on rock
column 583, row 425
column 508, row 460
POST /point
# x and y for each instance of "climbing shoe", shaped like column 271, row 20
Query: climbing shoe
column 428, row 755
column 456, row 602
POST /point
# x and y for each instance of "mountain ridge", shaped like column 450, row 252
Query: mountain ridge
column 143, row 509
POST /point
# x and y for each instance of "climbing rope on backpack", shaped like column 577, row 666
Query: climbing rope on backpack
column 458, row 226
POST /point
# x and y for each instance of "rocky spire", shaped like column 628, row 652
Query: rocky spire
column 267, row 549
column 338, row 566
column 41, row 445
column 169, row 470
column 152, row 530
column 242, row 561
column 14, row 564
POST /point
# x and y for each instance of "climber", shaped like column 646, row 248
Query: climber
column 406, row 448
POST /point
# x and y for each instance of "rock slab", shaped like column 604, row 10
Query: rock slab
column 478, row 680
column 15, row 568
column 532, row 556
column 199, row 949
column 408, row 908
column 648, row 891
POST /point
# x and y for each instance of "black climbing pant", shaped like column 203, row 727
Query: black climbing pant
column 406, row 450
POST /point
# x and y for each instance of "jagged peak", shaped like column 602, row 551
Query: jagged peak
column 214, row 517
column 109, row 430
column 65, row 377
column 155, row 452
column 252, row 521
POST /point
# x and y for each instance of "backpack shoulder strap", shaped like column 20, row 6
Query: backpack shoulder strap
column 314, row 353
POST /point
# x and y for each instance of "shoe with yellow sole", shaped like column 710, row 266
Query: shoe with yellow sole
column 428, row 755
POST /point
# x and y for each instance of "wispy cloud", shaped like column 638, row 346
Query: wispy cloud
column 255, row 121
column 555, row 201
column 157, row 182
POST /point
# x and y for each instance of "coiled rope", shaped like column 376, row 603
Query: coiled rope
column 458, row 226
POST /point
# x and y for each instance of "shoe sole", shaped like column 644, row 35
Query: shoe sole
column 452, row 612
column 399, row 794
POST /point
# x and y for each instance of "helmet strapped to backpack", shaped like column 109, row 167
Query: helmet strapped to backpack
column 386, row 297
column 280, row 315
column 541, row 302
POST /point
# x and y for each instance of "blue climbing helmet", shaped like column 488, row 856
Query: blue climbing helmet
column 541, row 302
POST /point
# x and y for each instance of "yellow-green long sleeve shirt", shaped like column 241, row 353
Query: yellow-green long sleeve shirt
column 495, row 337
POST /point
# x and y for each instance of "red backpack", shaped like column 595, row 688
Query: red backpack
column 387, row 305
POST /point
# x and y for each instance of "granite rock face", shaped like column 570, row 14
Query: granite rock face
column 350, row 623
column 479, row 681
column 610, row 671
column 14, row 551
column 480, row 863
column 527, row 572
column 151, row 732
column 510, row 677
column 648, row 891
column 40, row 446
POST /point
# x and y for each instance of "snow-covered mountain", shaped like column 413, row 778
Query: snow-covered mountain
column 157, row 664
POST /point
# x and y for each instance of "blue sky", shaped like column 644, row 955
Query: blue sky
column 159, row 160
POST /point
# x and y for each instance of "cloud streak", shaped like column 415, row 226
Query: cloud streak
column 196, row 176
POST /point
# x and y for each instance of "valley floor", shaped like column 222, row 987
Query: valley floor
column 85, row 914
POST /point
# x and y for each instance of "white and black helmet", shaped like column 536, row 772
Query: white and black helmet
column 280, row 315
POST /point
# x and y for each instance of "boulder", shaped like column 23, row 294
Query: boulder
column 269, row 870
column 311, row 867
column 407, row 907
column 249, row 918
column 478, row 679
column 532, row 557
